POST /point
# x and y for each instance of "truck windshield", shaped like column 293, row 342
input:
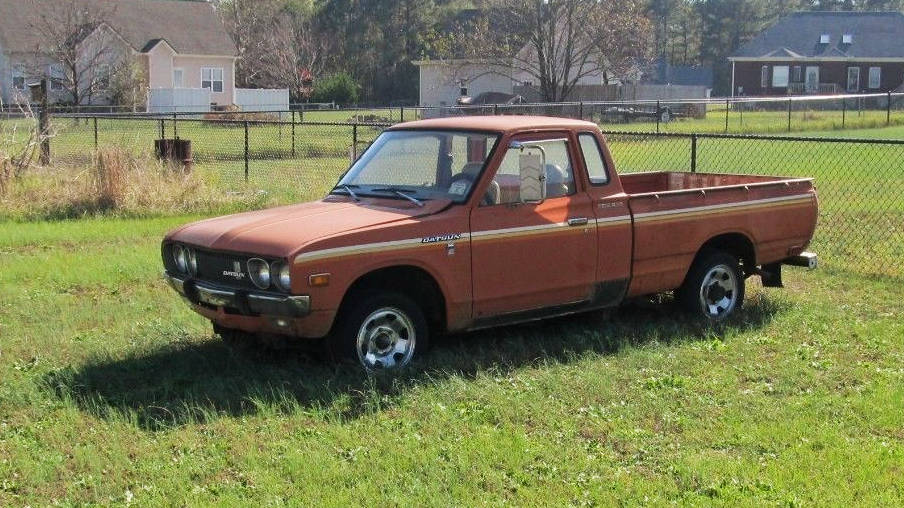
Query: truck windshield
column 419, row 164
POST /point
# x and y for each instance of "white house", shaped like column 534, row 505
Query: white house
column 182, row 49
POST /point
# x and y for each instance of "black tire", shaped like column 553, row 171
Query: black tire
column 714, row 286
column 398, row 332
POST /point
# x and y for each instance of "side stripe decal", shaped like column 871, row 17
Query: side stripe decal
column 412, row 243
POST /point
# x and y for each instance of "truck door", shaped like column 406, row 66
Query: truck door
column 528, row 256
column 613, row 218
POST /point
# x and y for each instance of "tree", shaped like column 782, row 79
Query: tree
column 279, row 43
column 340, row 88
column 556, row 44
column 78, row 53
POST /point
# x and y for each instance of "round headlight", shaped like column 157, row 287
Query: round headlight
column 283, row 275
column 192, row 261
column 259, row 271
column 180, row 258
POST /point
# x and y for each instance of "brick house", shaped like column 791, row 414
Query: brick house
column 809, row 53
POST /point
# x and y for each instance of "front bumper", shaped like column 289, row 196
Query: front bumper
column 247, row 303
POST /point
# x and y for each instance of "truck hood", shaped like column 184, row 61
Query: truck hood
column 283, row 231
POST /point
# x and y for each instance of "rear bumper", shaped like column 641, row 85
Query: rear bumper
column 807, row 260
column 244, row 303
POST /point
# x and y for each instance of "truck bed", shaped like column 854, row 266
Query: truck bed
column 674, row 213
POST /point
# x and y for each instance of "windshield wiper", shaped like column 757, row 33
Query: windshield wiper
column 348, row 188
column 401, row 194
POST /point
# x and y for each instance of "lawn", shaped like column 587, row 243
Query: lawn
column 113, row 392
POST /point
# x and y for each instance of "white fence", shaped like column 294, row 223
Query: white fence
column 179, row 100
column 259, row 99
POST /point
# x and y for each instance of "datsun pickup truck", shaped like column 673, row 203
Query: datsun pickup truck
column 457, row 224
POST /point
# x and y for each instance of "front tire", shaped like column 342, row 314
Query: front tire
column 714, row 287
column 382, row 332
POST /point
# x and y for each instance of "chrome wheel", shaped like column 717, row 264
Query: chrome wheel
column 719, row 292
column 386, row 339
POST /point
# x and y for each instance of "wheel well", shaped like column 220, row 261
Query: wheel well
column 414, row 282
column 736, row 244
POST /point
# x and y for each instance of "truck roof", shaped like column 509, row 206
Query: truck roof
column 499, row 123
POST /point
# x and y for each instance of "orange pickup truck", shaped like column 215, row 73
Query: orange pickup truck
column 462, row 223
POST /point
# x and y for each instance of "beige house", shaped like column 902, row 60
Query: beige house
column 180, row 50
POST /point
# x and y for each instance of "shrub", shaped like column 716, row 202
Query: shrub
column 340, row 88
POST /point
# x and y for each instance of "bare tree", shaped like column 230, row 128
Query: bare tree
column 556, row 44
column 76, row 40
column 279, row 47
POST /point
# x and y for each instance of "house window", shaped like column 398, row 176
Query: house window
column 875, row 77
column 57, row 77
column 102, row 77
column 797, row 74
column 19, row 78
column 853, row 80
column 780, row 76
column 178, row 78
column 847, row 39
column 764, row 76
column 212, row 78
column 825, row 39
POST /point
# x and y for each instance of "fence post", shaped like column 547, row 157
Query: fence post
column 354, row 142
column 789, row 114
column 401, row 113
column 162, row 129
column 44, row 125
column 246, row 151
column 95, row 133
column 727, row 107
column 888, row 110
column 175, row 129
column 693, row 153
column 658, row 115
column 293, row 134
column 581, row 110
column 843, row 112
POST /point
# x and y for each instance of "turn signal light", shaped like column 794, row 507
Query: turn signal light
column 319, row 280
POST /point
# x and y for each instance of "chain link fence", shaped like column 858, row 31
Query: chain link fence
column 860, row 181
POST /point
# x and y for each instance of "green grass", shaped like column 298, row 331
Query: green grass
column 113, row 392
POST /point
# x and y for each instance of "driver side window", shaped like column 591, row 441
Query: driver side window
column 559, row 173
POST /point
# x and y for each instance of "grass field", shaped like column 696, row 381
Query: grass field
column 113, row 392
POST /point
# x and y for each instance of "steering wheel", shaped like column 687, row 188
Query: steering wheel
column 492, row 194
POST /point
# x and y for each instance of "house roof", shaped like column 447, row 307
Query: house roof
column 682, row 75
column 188, row 27
column 875, row 35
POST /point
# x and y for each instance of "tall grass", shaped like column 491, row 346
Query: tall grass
column 118, row 183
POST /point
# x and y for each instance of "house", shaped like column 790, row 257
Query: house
column 443, row 82
column 181, row 49
column 823, row 53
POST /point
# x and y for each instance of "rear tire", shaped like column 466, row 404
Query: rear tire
column 714, row 286
column 381, row 332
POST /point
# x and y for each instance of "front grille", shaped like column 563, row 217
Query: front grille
column 213, row 265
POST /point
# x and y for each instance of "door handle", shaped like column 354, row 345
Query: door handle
column 578, row 221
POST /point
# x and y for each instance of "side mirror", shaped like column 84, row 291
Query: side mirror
column 532, row 170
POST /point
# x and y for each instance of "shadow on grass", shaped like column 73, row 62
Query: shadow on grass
column 198, row 382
